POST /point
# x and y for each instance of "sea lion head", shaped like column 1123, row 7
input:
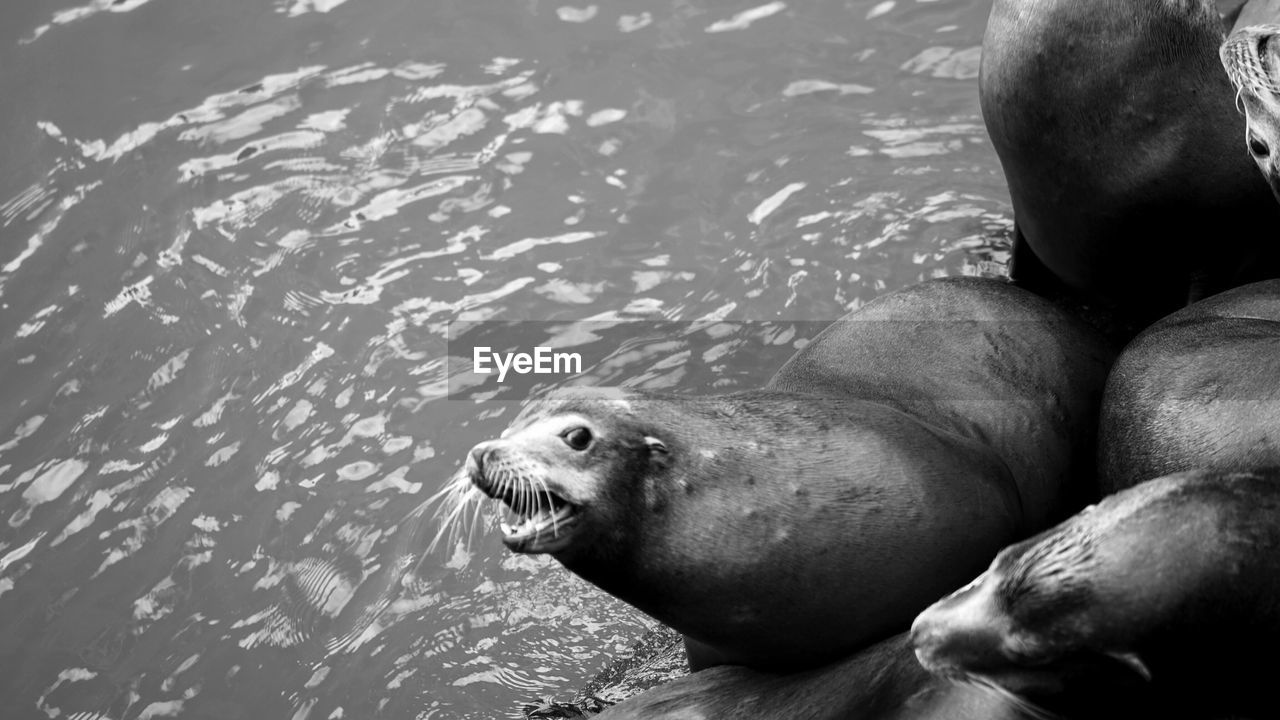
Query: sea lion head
column 1251, row 56
column 1049, row 613
column 560, row 465
column 1158, row 593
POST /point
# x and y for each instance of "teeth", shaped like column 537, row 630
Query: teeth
column 537, row 524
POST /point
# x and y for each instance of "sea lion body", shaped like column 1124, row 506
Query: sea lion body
column 1199, row 389
column 1165, row 590
column 1119, row 138
column 783, row 528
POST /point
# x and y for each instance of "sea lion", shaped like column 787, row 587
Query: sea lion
column 1172, row 584
column 1250, row 56
column 784, row 527
column 1118, row 135
column 1200, row 388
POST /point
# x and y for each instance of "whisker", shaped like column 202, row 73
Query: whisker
column 1021, row 703
column 509, row 489
column 526, row 501
column 450, row 504
column 535, row 489
column 447, row 528
column 506, row 490
column 441, row 531
column 546, row 494
column 456, row 484
column 475, row 520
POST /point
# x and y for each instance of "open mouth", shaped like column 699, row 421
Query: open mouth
column 537, row 520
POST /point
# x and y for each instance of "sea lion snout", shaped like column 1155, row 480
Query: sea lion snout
column 481, row 463
column 963, row 631
column 477, row 457
column 544, row 519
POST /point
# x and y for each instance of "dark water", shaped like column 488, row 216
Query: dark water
column 233, row 235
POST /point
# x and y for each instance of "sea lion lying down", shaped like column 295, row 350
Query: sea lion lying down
column 787, row 527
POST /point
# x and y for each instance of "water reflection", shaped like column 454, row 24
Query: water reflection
column 228, row 274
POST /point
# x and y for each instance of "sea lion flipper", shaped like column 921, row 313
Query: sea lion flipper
column 1131, row 660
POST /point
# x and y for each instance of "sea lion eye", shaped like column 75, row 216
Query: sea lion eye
column 1257, row 147
column 577, row 438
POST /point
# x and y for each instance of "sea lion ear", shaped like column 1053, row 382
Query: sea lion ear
column 657, row 449
column 1272, row 50
column 1133, row 662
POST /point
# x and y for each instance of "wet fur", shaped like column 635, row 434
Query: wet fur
column 1178, row 574
column 785, row 527
column 731, row 515
column 1200, row 389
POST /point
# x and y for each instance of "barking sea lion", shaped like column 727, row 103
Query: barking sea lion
column 785, row 527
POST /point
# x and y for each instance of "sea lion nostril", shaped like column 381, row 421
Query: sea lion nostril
column 933, row 635
column 480, row 455
column 923, row 639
